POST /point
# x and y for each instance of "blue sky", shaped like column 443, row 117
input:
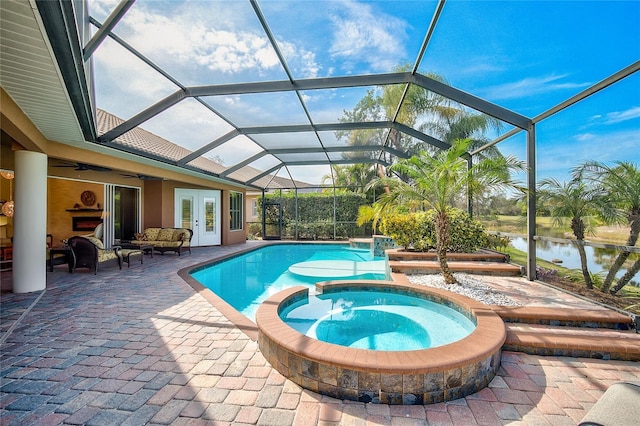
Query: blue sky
column 524, row 56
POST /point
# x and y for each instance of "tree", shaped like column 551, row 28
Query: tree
column 381, row 104
column 436, row 181
column 352, row 178
column 621, row 182
column 451, row 121
column 576, row 201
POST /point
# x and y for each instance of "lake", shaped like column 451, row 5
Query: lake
column 598, row 259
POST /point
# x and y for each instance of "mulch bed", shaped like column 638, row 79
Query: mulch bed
column 596, row 295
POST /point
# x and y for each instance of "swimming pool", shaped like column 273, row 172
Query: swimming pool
column 245, row 281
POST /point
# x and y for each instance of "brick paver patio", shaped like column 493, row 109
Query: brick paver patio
column 139, row 346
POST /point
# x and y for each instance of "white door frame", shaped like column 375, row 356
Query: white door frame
column 204, row 217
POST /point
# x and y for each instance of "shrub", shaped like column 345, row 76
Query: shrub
column 498, row 242
column 410, row 230
column 417, row 231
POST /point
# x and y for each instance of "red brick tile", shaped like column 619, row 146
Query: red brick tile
column 461, row 415
column 511, row 396
column 485, row 394
column 438, row 418
column 249, row 415
column 483, row 412
column 330, row 413
column 164, row 395
column 563, row 399
column 307, row 414
column 524, row 384
column 547, row 406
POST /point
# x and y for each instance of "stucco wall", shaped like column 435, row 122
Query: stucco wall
column 63, row 195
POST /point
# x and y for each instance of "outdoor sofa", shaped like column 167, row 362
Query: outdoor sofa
column 165, row 239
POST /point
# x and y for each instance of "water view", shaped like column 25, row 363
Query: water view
column 598, row 259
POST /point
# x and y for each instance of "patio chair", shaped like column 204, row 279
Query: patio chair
column 97, row 232
column 89, row 252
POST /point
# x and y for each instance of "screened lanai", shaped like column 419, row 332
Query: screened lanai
column 281, row 94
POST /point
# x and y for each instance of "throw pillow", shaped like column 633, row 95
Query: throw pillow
column 165, row 234
column 140, row 236
column 152, row 234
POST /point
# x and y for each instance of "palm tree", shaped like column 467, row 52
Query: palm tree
column 622, row 185
column 354, row 178
column 451, row 121
column 436, row 181
column 573, row 200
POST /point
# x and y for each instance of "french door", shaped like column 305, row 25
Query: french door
column 199, row 210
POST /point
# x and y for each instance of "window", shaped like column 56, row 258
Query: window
column 235, row 210
column 255, row 208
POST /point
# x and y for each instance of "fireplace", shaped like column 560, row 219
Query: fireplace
column 85, row 223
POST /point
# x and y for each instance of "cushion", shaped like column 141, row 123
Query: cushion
column 96, row 241
column 166, row 244
column 104, row 255
column 165, row 234
column 140, row 236
column 152, row 233
column 619, row 405
column 180, row 235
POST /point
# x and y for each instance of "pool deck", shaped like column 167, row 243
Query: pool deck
column 141, row 346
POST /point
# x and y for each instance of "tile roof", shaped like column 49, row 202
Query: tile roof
column 146, row 142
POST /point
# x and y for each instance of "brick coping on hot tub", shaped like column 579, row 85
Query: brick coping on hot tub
column 422, row 376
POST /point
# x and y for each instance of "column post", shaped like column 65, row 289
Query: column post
column 30, row 222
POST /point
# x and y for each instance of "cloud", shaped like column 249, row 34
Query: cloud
column 585, row 137
column 557, row 159
column 359, row 33
column 187, row 43
column 188, row 124
column 620, row 116
column 186, row 36
column 528, row 87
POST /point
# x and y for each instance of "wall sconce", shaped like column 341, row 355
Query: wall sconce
column 7, row 208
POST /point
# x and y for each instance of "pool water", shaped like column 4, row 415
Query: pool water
column 375, row 320
column 245, row 281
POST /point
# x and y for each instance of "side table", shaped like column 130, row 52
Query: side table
column 69, row 257
column 6, row 257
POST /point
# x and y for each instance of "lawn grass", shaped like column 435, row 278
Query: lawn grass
column 613, row 234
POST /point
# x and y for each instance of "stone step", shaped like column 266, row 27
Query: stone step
column 547, row 340
column 583, row 318
column 480, row 256
column 433, row 267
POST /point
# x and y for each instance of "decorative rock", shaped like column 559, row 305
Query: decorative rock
column 467, row 286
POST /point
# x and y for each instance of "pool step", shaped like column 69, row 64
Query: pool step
column 433, row 267
column 484, row 262
column 548, row 340
column 479, row 256
column 584, row 318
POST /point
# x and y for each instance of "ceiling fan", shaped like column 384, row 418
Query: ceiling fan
column 140, row 176
column 82, row 167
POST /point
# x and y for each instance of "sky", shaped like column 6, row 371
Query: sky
column 526, row 56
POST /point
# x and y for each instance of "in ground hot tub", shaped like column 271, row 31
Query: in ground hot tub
column 397, row 376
